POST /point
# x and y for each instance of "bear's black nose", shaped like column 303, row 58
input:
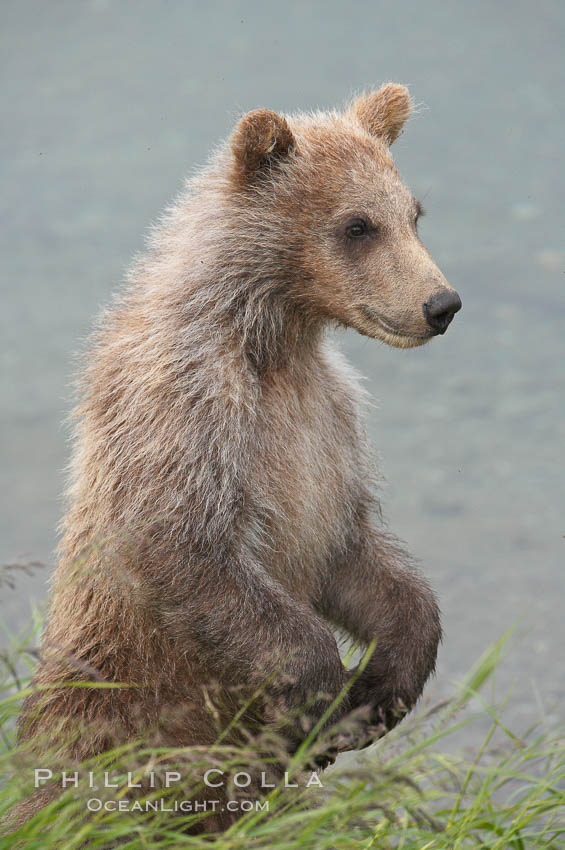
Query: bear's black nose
column 441, row 308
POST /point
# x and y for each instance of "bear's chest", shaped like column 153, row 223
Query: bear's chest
column 305, row 480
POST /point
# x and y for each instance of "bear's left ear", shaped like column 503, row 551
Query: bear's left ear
column 261, row 138
column 383, row 113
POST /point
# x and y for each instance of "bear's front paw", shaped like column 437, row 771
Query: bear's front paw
column 382, row 708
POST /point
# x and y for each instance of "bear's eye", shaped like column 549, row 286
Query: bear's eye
column 357, row 228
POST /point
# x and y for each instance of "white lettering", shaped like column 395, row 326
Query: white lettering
column 69, row 780
column 246, row 780
column 131, row 783
column 207, row 774
column 314, row 780
column 42, row 774
column 171, row 776
column 264, row 783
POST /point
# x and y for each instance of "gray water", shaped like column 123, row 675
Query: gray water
column 106, row 106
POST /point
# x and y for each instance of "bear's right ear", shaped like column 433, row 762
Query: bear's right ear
column 261, row 138
column 383, row 113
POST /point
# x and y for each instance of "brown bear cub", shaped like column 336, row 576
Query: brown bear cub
column 220, row 515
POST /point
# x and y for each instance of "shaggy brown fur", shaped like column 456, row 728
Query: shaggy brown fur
column 220, row 510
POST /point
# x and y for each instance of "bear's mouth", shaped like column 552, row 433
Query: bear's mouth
column 391, row 334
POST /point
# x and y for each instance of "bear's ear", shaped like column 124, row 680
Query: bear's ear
column 261, row 138
column 384, row 112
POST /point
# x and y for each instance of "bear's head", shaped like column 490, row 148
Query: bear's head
column 331, row 220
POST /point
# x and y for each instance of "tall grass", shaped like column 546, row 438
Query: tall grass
column 410, row 790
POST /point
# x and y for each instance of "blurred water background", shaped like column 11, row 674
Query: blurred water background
column 106, row 106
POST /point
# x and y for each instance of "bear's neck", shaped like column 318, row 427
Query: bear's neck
column 253, row 314
column 272, row 331
column 224, row 284
column 254, row 303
